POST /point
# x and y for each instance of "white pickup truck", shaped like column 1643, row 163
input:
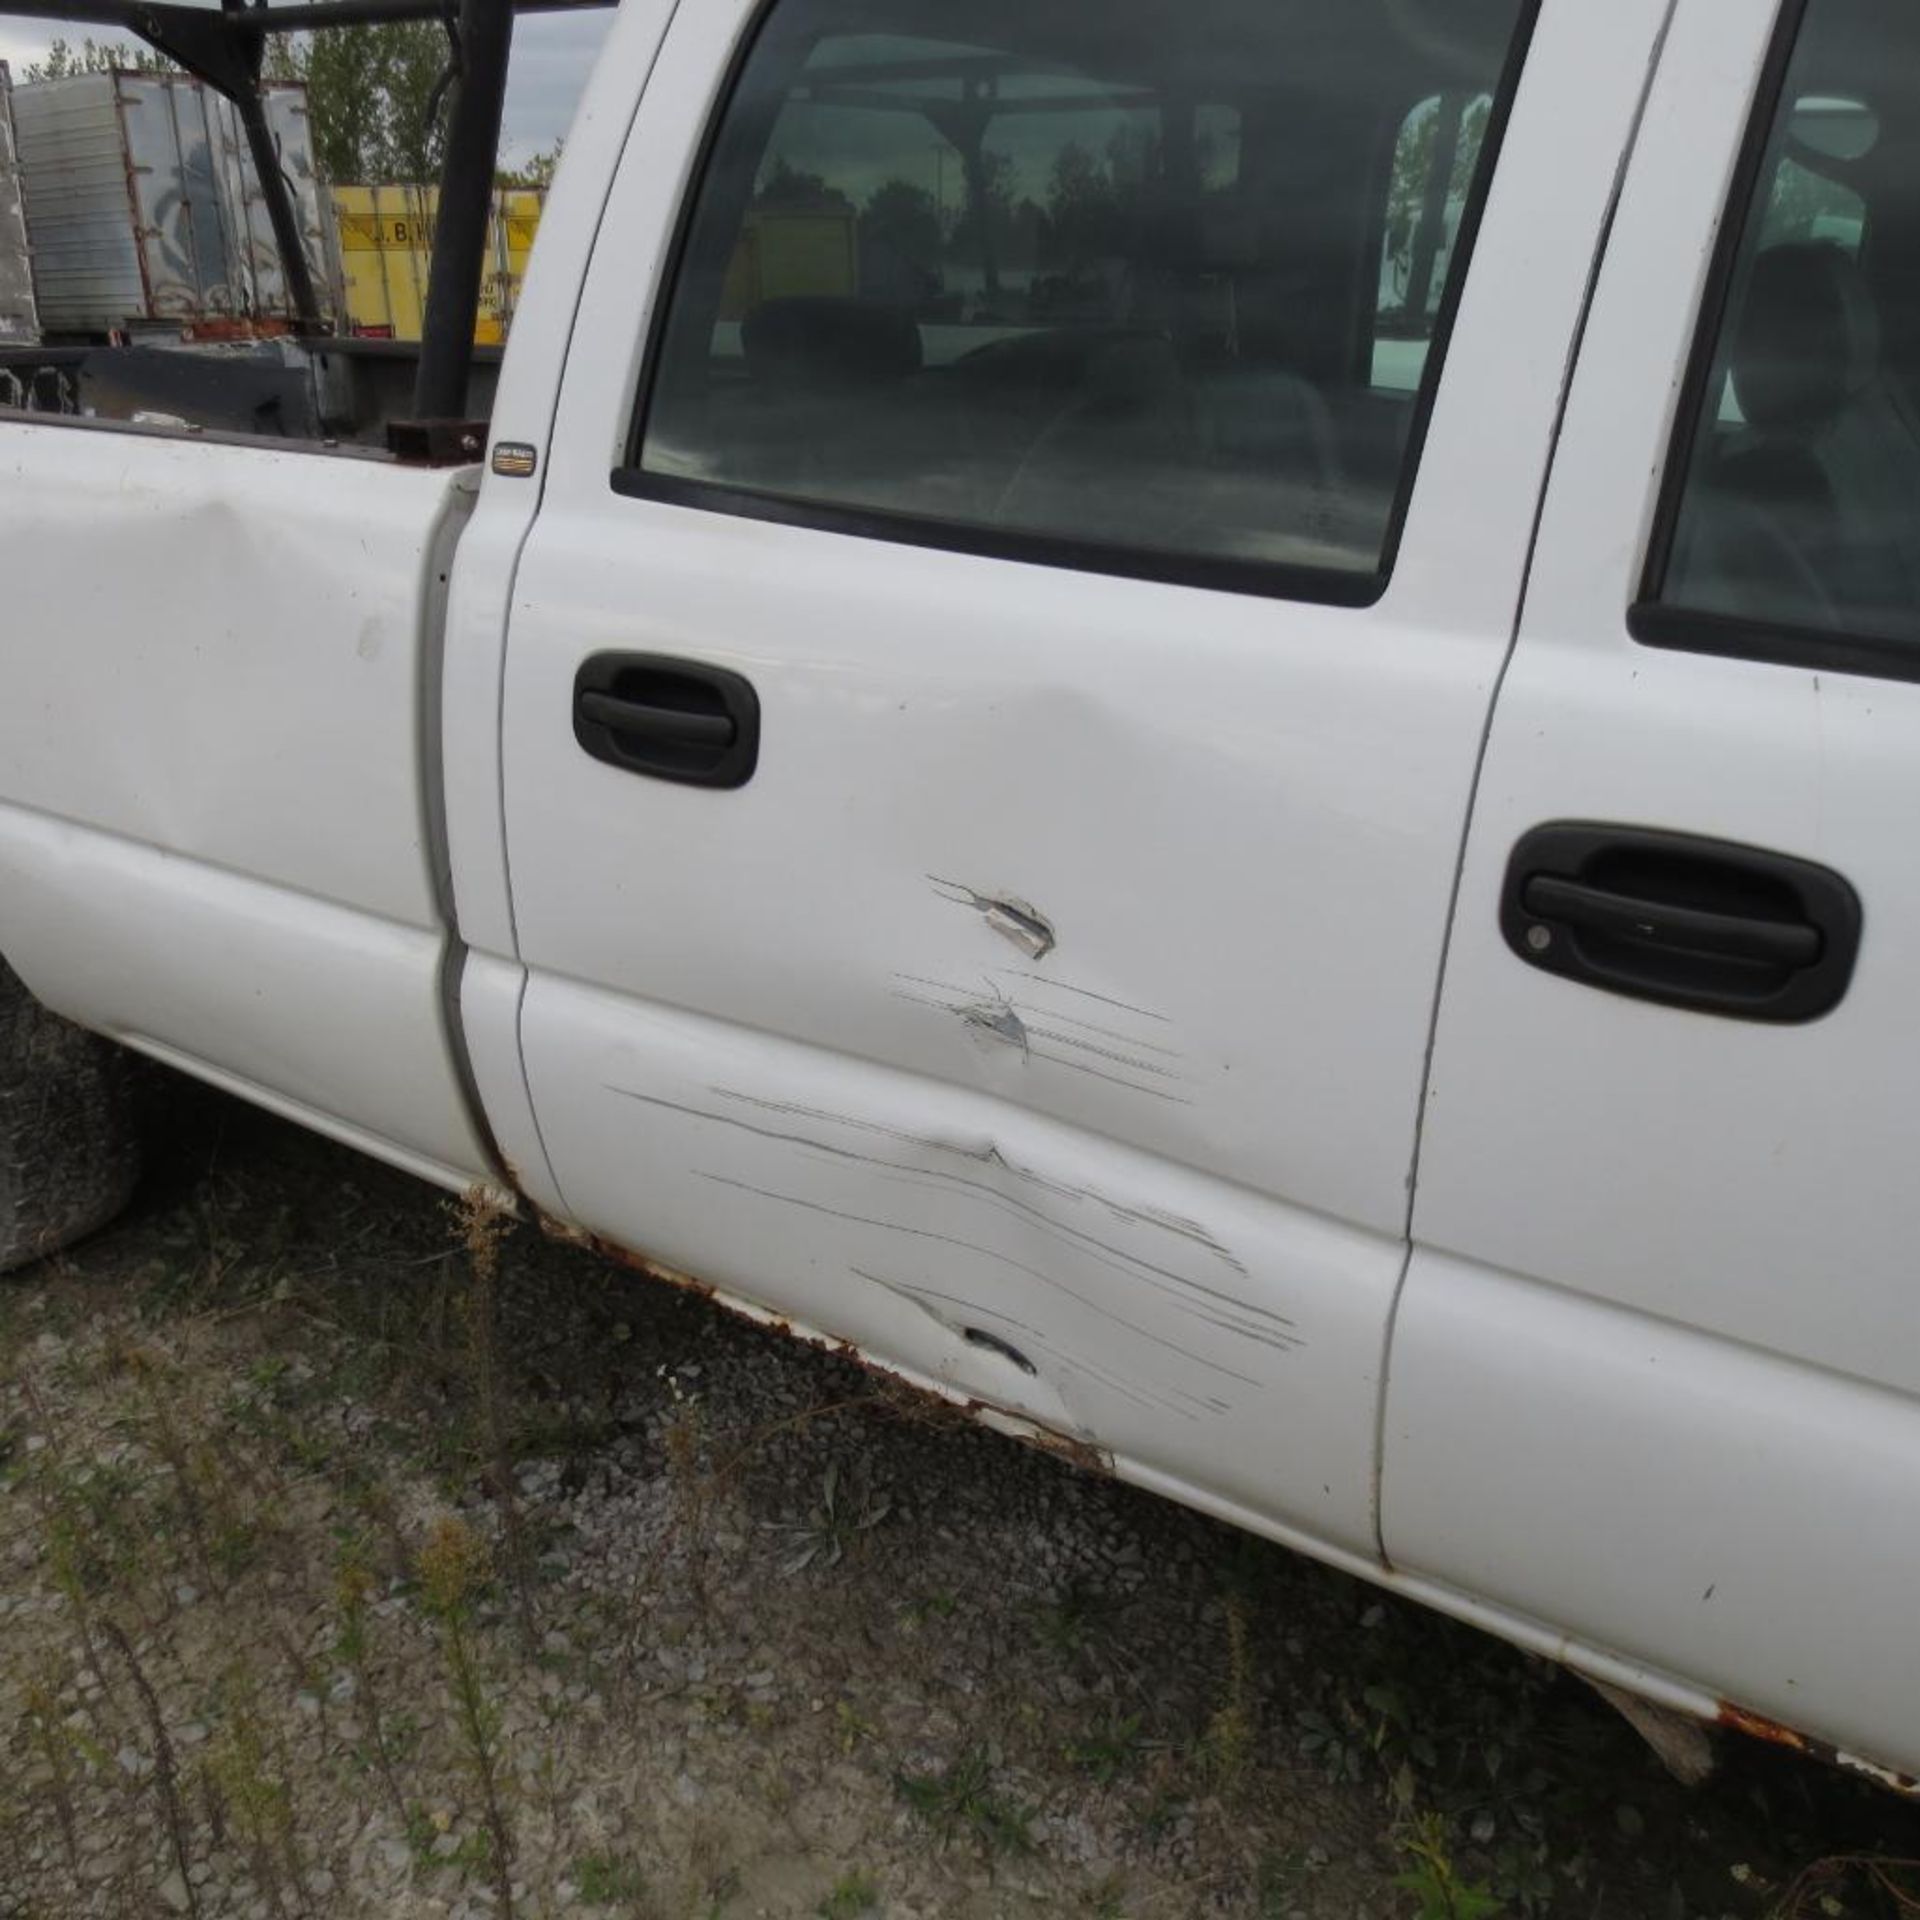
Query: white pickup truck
column 1198, row 722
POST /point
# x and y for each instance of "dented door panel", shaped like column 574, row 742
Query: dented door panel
column 1047, row 1015
column 1144, row 1312
column 1052, row 864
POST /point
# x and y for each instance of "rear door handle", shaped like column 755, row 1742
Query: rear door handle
column 671, row 719
column 1704, row 924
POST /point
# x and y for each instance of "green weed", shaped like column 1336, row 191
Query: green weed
column 1431, row 1877
column 1067, row 1626
column 961, row 1799
column 837, row 1521
column 852, row 1895
column 1227, row 1745
column 608, row 1880
column 453, row 1572
column 1109, row 1750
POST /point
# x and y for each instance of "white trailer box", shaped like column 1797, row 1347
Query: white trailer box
column 19, row 325
column 144, row 209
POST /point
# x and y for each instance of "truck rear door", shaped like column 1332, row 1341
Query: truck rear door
column 994, row 684
column 1656, row 1370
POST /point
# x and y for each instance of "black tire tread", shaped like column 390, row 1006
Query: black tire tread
column 69, row 1147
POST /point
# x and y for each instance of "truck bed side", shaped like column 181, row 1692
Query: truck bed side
column 216, row 756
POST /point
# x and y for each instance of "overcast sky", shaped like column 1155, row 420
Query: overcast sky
column 551, row 55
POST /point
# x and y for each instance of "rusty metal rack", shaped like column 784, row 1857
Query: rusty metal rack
column 225, row 46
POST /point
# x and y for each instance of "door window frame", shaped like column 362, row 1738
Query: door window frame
column 1651, row 620
column 1335, row 587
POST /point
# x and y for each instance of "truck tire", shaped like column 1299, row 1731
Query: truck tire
column 69, row 1149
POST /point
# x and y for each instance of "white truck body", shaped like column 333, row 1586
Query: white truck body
column 1094, row 1004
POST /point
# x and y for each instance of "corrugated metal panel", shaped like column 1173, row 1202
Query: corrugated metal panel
column 516, row 222
column 258, row 259
column 143, row 205
column 386, row 251
column 87, row 267
column 173, row 160
column 385, row 239
column 18, row 321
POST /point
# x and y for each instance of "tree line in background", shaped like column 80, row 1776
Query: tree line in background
column 916, row 244
column 376, row 96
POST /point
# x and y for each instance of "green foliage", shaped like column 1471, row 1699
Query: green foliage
column 371, row 97
column 536, row 172
column 1228, row 1746
column 64, row 60
column 608, row 1880
column 900, row 236
column 1414, row 158
column 853, row 1894
column 424, row 1833
column 940, row 1604
column 1433, row 1880
column 1109, row 1750
column 1069, row 1625
column 1081, row 204
column 453, row 1570
column 834, row 1525
column 961, row 1798
column 99, row 1527
column 1438, row 1717
column 785, row 188
column 248, row 1769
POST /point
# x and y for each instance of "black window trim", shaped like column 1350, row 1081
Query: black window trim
column 1321, row 586
column 1654, row 622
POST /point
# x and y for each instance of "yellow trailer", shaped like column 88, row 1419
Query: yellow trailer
column 783, row 251
column 386, row 253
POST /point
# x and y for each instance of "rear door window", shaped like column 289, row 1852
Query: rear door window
column 1791, row 524
column 1106, row 286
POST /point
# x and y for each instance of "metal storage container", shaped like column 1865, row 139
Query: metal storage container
column 144, row 209
column 386, row 254
column 286, row 106
column 18, row 324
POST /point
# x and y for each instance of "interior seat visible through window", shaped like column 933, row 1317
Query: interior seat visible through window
column 1108, row 282
column 1791, row 525
column 1814, row 504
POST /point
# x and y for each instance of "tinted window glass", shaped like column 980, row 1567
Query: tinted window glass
column 1109, row 275
column 1800, row 506
column 1804, row 205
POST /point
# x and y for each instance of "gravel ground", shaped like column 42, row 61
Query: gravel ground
column 359, row 1557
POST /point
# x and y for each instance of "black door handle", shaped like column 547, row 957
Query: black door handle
column 671, row 719
column 1733, row 936
column 1704, row 924
column 638, row 720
